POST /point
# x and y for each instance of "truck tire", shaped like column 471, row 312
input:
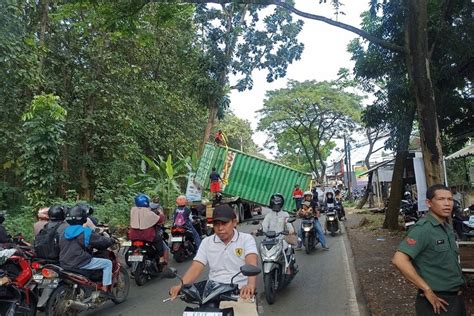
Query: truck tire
column 236, row 209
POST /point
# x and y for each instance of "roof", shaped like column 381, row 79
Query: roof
column 466, row 151
column 375, row 167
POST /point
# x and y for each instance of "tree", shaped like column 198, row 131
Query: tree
column 316, row 113
column 238, row 133
column 416, row 46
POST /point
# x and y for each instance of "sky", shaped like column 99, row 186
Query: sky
column 324, row 54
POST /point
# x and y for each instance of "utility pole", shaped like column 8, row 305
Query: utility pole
column 348, row 168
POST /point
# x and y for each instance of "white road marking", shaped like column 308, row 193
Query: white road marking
column 353, row 305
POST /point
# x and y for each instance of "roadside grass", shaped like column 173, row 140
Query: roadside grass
column 373, row 222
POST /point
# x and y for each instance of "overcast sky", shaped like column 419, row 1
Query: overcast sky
column 323, row 55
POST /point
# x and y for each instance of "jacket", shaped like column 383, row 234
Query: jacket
column 74, row 244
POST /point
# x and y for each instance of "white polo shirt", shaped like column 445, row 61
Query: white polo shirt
column 225, row 260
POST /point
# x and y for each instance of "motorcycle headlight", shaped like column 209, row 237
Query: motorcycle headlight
column 307, row 228
column 331, row 218
column 272, row 253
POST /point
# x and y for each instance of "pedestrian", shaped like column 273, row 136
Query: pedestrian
column 219, row 138
column 298, row 196
column 428, row 258
column 215, row 182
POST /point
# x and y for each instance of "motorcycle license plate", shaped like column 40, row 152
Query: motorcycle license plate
column 126, row 243
column 135, row 258
column 409, row 223
column 53, row 283
column 202, row 314
column 176, row 239
column 38, row 277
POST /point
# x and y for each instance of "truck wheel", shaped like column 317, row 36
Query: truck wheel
column 236, row 212
column 241, row 212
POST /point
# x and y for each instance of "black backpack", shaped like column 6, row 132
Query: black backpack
column 47, row 243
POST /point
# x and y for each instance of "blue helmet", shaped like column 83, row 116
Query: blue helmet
column 142, row 200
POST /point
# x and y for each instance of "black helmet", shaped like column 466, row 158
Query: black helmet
column 57, row 212
column 2, row 218
column 276, row 202
column 77, row 215
column 407, row 195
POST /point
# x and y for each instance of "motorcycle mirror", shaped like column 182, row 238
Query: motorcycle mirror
column 250, row 270
column 291, row 219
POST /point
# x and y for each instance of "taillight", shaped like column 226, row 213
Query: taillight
column 138, row 243
column 36, row 265
column 49, row 274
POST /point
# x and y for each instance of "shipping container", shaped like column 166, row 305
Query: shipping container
column 251, row 178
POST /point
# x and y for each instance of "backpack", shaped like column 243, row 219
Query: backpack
column 179, row 219
column 47, row 243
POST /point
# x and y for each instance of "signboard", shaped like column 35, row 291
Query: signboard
column 193, row 190
column 361, row 180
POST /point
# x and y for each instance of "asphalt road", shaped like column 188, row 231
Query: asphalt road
column 323, row 286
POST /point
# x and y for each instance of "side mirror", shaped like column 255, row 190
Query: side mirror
column 250, row 270
column 291, row 219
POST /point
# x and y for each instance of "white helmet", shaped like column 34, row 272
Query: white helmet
column 308, row 193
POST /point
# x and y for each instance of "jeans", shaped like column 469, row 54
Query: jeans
column 298, row 202
column 197, row 238
column 319, row 232
column 105, row 265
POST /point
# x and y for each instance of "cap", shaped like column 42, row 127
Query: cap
column 223, row 213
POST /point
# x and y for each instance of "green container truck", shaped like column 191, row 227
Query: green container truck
column 248, row 181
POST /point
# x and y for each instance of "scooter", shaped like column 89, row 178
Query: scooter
column 278, row 265
column 182, row 243
column 18, row 291
column 77, row 289
column 209, row 294
column 408, row 210
column 332, row 220
column 310, row 239
column 143, row 257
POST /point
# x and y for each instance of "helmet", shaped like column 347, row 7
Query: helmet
column 2, row 218
column 43, row 214
column 77, row 215
column 57, row 212
column 306, row 203
column 407, row 195
column 308, row 193
column 181, row 200
column 329, row 193
column 276, row 202
column 142, row 200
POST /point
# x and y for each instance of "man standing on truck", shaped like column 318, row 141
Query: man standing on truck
column 215, row 179
column 298, row 196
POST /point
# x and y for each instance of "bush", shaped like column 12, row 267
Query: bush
column 20, row 221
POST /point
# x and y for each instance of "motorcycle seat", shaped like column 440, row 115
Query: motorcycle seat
column 93, row 275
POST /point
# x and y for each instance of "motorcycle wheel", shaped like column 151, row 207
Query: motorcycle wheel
column 129, row 264
column 57, row 302
column 121, row 287
column 269, row 290
column 333, row 233
column 179, row 256
column 32, row 305
column 139, row 274
column 307, row 247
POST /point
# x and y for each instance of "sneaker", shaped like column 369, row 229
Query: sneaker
column 325, row 248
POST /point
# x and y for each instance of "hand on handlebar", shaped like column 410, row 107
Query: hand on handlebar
column 174, row 291
column 247, row 291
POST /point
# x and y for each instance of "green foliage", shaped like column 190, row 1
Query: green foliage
column 44, row 135
column 304, row 119
column 238, row 132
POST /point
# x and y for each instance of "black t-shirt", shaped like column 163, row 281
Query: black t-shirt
column 4, row 238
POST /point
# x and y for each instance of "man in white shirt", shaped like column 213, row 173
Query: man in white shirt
column 225, row 252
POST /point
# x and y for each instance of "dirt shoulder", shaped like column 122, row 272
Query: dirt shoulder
column 385, row 289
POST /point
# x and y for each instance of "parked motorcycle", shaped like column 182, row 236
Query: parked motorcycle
column 332, row 220
column 409, row 211
column 77, row 289
column 18, row 291
column 278, row 266
column 182, row 243
column 310, row 238
column 209, row 294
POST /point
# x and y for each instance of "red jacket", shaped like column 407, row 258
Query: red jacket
column 297, row 193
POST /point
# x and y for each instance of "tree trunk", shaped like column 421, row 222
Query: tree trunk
column 419, row 71
column 365, row 197
column 211, row 119
column 396, row 191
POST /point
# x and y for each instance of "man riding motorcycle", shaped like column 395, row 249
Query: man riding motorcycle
column 182, row 217
column 313, row 206
column 145, row 225
column 277, row 221
column 42, row 216
column 75, row 243
column 225, row 252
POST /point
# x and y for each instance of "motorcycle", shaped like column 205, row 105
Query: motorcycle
column 144, row 261
column 18, row 291
column 409, row 211
column 332, row 220
column 338, row 207
column 77, row 288
column 209, row 294
column 310, row 238
column 278, row 266
column 182, row 243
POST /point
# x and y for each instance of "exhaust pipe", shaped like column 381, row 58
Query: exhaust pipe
column 77, row 305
